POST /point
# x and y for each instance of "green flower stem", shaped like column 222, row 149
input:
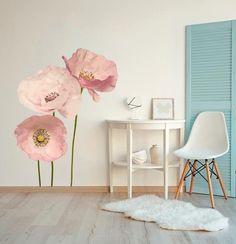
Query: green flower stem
column 52, row 164
column 72, row 151
column 39, row 176
column 52, row 170
column 73, row 146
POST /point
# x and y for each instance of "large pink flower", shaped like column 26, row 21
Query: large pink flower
column 93, row 71
column 52, row 88
column 42, row 137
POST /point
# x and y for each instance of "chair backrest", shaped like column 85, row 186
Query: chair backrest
column 209, row 133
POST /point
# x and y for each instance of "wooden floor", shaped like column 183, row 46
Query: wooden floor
column 32, row 218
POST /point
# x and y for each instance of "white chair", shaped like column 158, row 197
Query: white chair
column 208, row 140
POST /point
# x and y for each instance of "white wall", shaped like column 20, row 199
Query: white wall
column 145, row 38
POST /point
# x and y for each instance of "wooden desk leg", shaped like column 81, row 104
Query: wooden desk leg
column 110, row 158
column 129, row 159
column 181, row 163
column 166, row 152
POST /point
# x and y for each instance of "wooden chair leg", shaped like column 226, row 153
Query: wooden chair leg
column 182, row 179
column 209, row 184
column 193, row 177
column 220, row 178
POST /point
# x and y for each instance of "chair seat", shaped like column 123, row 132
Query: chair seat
column 197, row 154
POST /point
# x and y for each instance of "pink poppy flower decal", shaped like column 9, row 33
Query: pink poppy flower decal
column 42, row 137
column 93, row 71
column 52, row 88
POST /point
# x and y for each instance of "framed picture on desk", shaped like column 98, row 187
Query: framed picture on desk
column 162, row 108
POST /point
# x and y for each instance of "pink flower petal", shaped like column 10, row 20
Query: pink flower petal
column 98, row 85
column 71, row 108
column 56, row 146
column 95, row 96
column 49, row 90
column 103, row 72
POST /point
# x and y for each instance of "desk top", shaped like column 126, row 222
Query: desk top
column 146, row 124
column 138, row 121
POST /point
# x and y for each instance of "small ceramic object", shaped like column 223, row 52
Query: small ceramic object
column 154, row 153
column 139, row 157
column 135, row 105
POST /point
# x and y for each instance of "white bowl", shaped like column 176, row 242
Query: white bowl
column 139, row 157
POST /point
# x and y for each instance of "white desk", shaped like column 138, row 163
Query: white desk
column 129, row 126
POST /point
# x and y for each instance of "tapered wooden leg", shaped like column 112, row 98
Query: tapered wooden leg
column 182, row 179
column 193, row 177
column 220, row 178
column 209, row 184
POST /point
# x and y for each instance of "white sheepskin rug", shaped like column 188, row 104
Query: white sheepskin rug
column 169, row 214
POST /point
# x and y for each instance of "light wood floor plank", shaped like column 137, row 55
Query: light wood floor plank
column 72, row 218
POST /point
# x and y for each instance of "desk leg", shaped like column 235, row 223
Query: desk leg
column 129, row 159
column 110, row 158
column 181, row 163
column 166, row 152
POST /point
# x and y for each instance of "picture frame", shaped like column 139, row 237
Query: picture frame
column 162, row 108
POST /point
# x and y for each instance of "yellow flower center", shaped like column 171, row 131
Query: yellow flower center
column 86, row 75
column 41, row 137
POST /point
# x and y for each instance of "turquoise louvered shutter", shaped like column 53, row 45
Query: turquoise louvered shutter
column 210, row 86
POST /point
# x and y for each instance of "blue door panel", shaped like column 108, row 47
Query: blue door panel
column 210, row 86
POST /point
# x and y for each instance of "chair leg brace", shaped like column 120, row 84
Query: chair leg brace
column 191, row 169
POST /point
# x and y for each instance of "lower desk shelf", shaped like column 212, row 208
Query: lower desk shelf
column 158, row 166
